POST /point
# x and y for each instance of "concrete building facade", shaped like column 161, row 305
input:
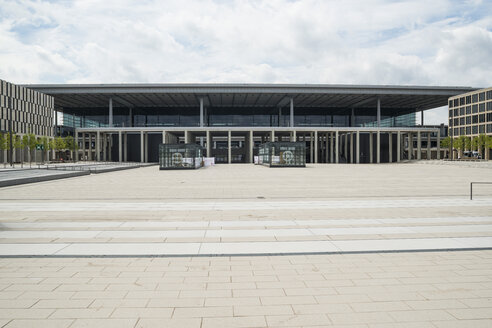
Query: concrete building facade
column 338, row 123
column 30, row 111
column 470, row 114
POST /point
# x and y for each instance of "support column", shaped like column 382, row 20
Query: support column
column 141, row 146
column 209, row 144
column 229, row 151
column 83, row 146
column 251, row 146
column 76, row 150
column 201, row 112
column 272, row 136
column 120, row 147
column 146, row 154
column 125, row 149
column 438, row 144
column 98, row 145
column 293, row 136
column 331, row 147
column 351, row 148
column 110, row 112
column 336, row 147
column 429, row 155
column 327, row 137
column 410, row 145
column 379, row 112
column 390, row 147
column 311, row 146
column 90, row 146
column 104, row 147
column 187, row 137
column 316, row 147
column 398, row 146
column 291, row 112
column 345, row 151
column 371, row 150
column 163, row 137
column 419, row 146
column 378, row 145
column 357, row 149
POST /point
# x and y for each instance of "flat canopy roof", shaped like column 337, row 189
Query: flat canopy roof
column 410, row 98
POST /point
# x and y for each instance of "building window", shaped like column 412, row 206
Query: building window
column 475, row 129
column 475, row 109
column 481, row 107
column 489, row 128
column 456, row 121
column 462, row 121
column 489, row 117
column 481, row 118
column 456, row 111
column 475, row 98
column 450, row 113
column 468, row 130
column 489, row 105
column 462, row 111
column 468, row 120
column 456, row 131
column 450, row 103
column 462, row 131
column 456, row 102
column 468, row 99
column 468, row 110
column 481, row 96
column 481, row 128
column 475, row 119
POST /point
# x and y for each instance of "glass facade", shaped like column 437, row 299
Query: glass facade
column 473, row 118
column 282, row 154
column 180, row 156
column 233, row 117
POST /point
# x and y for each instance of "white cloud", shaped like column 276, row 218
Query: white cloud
column 440, row 42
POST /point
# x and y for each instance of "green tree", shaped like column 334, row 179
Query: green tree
column 59, row 144
column 479, row 143
column 17, row 142
column 446, row 142
column 31, row 145
column 25, row 144
column 3, row 147
column 488, row 147
column 459, row 143
column 70, row 145
column 468, row 143
column 45, row 142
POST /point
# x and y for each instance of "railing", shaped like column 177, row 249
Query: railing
column 471, row 187
column 93, row 167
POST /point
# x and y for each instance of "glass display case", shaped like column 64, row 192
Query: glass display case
column 180, row 156
column 282, row 154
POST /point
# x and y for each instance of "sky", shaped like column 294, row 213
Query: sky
column 376, row 42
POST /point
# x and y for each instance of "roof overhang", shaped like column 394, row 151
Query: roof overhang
column 413, row 98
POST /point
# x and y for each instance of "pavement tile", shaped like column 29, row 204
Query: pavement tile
column 297, row 320
column 169, row 323
column 104, row 323
column 235, row 322
column 29, row 323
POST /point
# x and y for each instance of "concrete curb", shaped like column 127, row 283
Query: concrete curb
column 15, row 182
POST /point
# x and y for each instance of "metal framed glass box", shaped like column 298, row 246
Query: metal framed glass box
column 180, row 156
column 282, row 154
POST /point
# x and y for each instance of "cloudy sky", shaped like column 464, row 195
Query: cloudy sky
column 429, row 42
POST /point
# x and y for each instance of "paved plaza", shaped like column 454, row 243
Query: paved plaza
column 391, row 245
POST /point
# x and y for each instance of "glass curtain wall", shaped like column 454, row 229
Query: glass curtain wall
column 180, row 156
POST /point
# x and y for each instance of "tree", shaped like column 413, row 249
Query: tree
column 488, row 147
column 59, row 144
column 459, row 143
column 25, row 144
column 479, row 143
column 45, row 142
column 468, row 143
column 3, row 147
column 31, row 145
column 70, row 144
column 17, row 142
column 446, row 142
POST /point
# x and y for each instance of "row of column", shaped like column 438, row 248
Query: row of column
column 326, row 144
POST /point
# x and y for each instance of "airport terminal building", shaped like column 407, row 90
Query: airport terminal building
column 338, row 123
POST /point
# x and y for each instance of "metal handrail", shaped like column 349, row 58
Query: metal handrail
column 471, row 187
